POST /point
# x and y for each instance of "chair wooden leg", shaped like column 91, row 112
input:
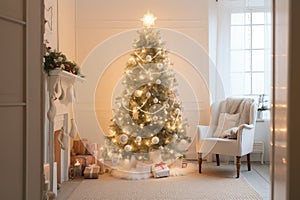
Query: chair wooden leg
column 200, row 162
column 218, row 159
column 248, row 162
column 238, row 166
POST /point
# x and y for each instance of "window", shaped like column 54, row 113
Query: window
column 250, row 53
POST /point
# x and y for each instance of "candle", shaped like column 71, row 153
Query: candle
column 77, row 163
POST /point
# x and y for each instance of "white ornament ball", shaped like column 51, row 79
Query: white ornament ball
column 160, row 65
column 155, row 118
column 155, row 140
column 158, row 81
column 148, row 58
column 175, row 136
column 138, row 138
column 127, row 148
column 123, row 138
column 148, row 94
column 183, row 141
column 182, row 145
column 177, row 110
column 155, row 100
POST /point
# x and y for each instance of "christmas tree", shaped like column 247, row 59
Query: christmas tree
column 147, row 116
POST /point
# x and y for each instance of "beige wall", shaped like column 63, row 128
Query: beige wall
column 21, row 99
column 99, row 20
column 66, row 27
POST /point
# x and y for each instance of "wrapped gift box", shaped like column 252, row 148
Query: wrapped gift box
column 91, row 171
column 143, row 167
column 179, row 163
column 160, row 170
column 161, row 173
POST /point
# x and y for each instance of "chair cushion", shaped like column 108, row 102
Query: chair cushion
column 226, row 121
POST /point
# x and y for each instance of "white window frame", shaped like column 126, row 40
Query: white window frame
column 251, row 71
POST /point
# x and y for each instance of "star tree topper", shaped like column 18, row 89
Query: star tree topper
column 148, row 20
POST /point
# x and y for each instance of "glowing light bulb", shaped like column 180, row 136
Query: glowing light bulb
column 148, row 20
column 138, row 93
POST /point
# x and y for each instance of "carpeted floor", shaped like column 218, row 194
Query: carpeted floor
column 215, row 183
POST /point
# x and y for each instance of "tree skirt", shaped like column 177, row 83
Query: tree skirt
column 134, row 175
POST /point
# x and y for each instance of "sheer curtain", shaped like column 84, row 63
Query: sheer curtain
column 243, row 67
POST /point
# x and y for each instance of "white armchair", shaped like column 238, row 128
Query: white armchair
column 231, row 131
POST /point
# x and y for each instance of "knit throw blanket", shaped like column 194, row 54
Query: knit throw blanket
column 240, row 105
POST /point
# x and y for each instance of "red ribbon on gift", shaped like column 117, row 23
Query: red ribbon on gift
column 161, row 164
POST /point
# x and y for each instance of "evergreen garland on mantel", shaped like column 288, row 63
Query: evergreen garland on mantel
column 57, row 60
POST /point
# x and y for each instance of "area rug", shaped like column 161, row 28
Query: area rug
column 215, row 183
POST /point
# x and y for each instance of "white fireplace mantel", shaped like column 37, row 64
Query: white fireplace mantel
column 60, row 86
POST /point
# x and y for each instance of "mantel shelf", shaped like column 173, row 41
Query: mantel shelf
column 67, row 75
